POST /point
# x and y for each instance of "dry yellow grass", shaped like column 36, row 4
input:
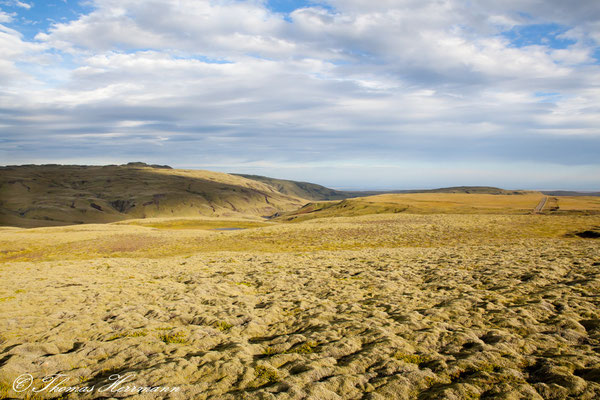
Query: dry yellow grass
column 579, row 203
column 434, row 203
column 384, row 306
column 445, row 203
column 340, row 233
column 198, row 223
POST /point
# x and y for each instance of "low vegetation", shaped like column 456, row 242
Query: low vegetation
column 265, row 375
column 470, row 300
column 173, row 338
column 197, row 223
column 445, row 203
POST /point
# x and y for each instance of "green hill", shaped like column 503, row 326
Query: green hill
column 47, row 195
column 343, row 208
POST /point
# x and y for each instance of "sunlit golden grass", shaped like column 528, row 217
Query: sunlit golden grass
column 445, row 203
column 369, row 231
column 447, row 305
column 576, row 203
column 435, row 203
column 378, row 221
column 344, row 208
column 423, row 203
column 461, row 203
column 419, row 203
column 207, row 224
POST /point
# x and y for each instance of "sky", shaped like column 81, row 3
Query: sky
column 361, row 94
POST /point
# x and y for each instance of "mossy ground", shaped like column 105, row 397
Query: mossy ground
column 380, row 306
column 342, row 233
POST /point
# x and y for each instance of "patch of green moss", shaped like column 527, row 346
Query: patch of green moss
column 265, row 375
column 269, row 351
column 5, row 390
column 411, row 358
column 223, row 326
column 173, row 338
column 305, row 348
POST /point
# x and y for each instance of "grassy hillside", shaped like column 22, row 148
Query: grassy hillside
column 444, row 203
column 306, row 190
column 59, row 195
column 344, row 208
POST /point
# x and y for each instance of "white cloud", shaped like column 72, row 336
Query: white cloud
column 187, row 25
column 5, row 18
column 22, row 4
column 16, row 51
column 16, row 3
column 446, row 40
column 232, row 80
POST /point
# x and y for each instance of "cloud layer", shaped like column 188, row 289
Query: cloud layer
column 370, row 90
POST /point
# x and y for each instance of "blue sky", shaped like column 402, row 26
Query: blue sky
column 346, row 93
column 539, row 34
column 287, row 6
column 32, row 17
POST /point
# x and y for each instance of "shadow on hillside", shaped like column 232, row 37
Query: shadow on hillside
column 51, row 195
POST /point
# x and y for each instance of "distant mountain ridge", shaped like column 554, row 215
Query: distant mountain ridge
column 316, row 192
column 306, row 190
column 568, row 193
column 466, row 190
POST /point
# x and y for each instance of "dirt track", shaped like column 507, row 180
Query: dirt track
column 538, row 209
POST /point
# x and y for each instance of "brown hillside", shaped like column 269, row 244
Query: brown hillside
column 50, row 195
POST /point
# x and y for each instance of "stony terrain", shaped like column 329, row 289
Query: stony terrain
column 372, row 307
